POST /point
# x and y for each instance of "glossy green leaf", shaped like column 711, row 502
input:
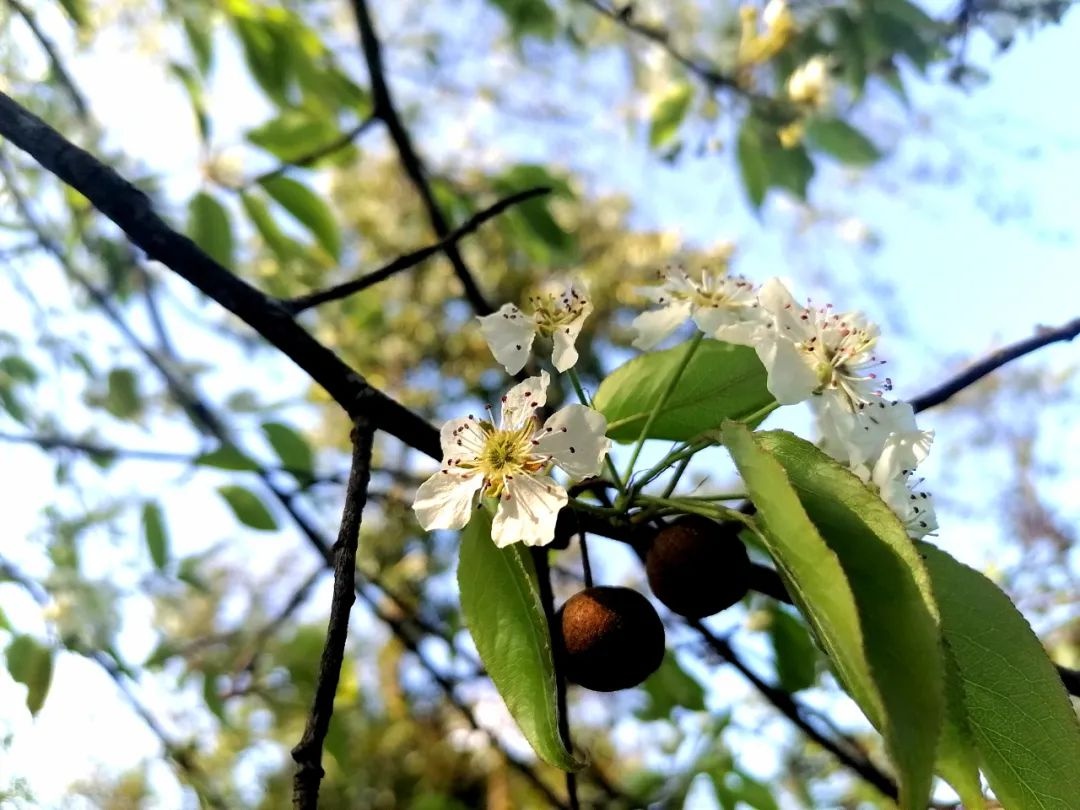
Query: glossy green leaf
column 500, row 600
column 810, row 569
column 227, row 457
column 752, row 163
column 1022, row 722
column 248, row 508
column 796, row 653
column 209, row 227
column 269, row 65
column 294, row 134
column 957, row 756
column 789, row 168
column 31, row 663
column 842, row 141
column 155, row 534
column 721, row 382
column 284, row 247
column 308, row 209
column 669, row 113
column 292, row 448
column 896, row 604
column 670, row 687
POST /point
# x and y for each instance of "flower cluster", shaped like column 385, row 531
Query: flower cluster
column 816, row 354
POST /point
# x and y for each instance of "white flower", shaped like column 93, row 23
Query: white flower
column 810, row 83
column 556, row 313
column 879, row 440
column 723, row 307
column 511, row 462
column 812, row 351
column 913, row 506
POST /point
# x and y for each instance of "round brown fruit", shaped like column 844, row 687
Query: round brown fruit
column 698, row 567
column 612, row 638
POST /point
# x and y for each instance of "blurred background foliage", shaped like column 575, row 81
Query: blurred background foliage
column 206, row 611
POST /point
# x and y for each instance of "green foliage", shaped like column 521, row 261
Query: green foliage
column 308, row 209
column 155, row 534
column 248, row 508
column 842, row 141
column 500, row 602
column 31, row 663
column 796, row 655
column 292, row 448
column 226, row 457
column 764, row 163
column 194, row 89
column 209, row 227
column 295, row 133
column 531, row 223
column 1021, row 720
column 668, row 688
column 721, row 382
column 528, row 17
column 669, row 113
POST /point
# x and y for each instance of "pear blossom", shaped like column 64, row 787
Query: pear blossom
column 723, row 307
column 912, row 505
column 814, row 351
column 557, row 313
column 512, row 462
column 878, row 440
column 810, row 83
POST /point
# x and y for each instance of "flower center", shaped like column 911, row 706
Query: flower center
column 554, row 312
column 506, row 453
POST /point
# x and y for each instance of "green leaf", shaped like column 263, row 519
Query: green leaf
column 122, row 399
column 669, row 687
column 193, row 86
column 528, row 17
column 31, row 664
column 18, row 369
column 531, row 223
column 842, row 141
column 957, row 756
column 308, row 209
column 292, row 448
column 208, row 226
column 4, row 623
column 896, row 604
column 1023, row 725
column 157, row 539
column 248, row 508
column 796, row 655
column 721, row 382
column 500, row 600
column 284, row 247
column 810, row 569
column 669, row 113
column 270, row 66
column 201, row 41
column 294, row 134
column 76, row 9
column 226, row 457
column 752, row 163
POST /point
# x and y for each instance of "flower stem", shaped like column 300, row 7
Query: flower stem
column 760, row 414
column 664, row 397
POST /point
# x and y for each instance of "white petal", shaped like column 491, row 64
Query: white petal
column 445, row 500
column 574, row 438
column 524, row 398
column 509, row 335
column 656, row 324
column 461, row 438
column 527, row 511
column 791, row 379
column 563, row 354
column 778, row 302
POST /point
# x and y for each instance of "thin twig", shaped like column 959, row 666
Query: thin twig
column 314, row 155
column 410, row 160
column 1043, row 337
column 408, row 260
column 47, row 45
column 308, row 752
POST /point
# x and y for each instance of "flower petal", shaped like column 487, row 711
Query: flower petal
column 445, row 500
column 527, row 511
column 786, row 314
column 523, row 399
column 509, row 335
column 574, row 438
column 656, row 324
column 790, row 379
column 563, row 354
column 461, row 438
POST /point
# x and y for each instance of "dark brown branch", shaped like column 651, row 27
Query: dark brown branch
column 790, row 708
column 409, row 260
column 57, row 64
column 314, row 155
column 133, row 212
column 410, row 160
column 1043, row 337
column 308, row 752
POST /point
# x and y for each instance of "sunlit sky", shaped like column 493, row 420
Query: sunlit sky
column 974, row 213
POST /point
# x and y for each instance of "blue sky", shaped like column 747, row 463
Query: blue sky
column 975, row 218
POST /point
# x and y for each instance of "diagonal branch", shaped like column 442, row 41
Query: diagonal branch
column 133, row 212
column 408, row 260
column 410, row 160
column 308, row 752
column 1044, row 336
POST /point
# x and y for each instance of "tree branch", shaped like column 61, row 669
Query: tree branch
column 47, row 45
column 133, row 212
column 308, row 752
column 410, row 160
column 1044, row 336
column 408, row 260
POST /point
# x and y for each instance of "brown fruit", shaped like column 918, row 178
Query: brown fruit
column 612, row 638
column 698, row 567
